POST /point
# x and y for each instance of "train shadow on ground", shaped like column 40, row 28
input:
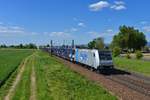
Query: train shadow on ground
column 114, row 71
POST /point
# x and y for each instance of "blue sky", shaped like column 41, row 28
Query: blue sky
column 39, row 21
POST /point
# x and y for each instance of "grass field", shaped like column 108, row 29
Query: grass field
column 22, row 91
column 55, row 81
column 10, row 60
column 134, row 65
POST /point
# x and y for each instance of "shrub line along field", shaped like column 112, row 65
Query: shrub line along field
column 53, row 81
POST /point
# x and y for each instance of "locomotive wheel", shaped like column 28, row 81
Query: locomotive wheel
column 91, row 68
column 99, row 70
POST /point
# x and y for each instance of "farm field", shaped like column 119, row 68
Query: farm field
column 133, row 65
column 54, row 81
column 10, row 60
column 146, row 56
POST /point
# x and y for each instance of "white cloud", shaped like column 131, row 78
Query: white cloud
column 81, row 24
column 109, row 30
column 119, row 2
column 34, row 33
column 119, row 5
column 11, row 29
column 17, row 32
column 73, row 29
column 56, row 34
column 59, row 34
column 105, row 34
column 93, row 33
column 143, row 22
column 16, row 28
column 99, row 6
column 7, row 30
column 146, row 28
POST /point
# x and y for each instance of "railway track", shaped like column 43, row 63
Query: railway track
column 133, row 81
column 131, row 86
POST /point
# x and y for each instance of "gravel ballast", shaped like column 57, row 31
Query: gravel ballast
column 119, row 90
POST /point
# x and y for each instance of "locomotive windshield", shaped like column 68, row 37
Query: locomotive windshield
column 105, row 55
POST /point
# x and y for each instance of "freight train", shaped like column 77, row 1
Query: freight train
column 93, row 58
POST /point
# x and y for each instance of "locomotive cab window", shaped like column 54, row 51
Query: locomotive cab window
column 105, row 55
column 93, row 54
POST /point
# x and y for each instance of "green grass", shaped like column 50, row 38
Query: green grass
column 5, row 88
column 22, row 91
column 55, row 81
column 15, row 57
column 134, row 65
column 10, row 60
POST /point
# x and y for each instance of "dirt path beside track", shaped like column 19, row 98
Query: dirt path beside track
column 121, row 91
column 17, row 80
column 33, row 81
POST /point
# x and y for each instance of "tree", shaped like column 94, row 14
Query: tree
column 116, row 51
column 3, row 46
column 47, row 45
column 92, row 44
column 129, row 38
column 139, row 54
column 11, row 46
column 31, row 46
column 21, row 46
column 97, row 43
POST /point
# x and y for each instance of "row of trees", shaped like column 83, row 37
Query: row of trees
column 128, row 39
column 20, row 46
column 97, row 43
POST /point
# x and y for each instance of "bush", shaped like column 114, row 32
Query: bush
column 128, row 56
column 139, row 54
column 116, row 51
column 146, row 49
